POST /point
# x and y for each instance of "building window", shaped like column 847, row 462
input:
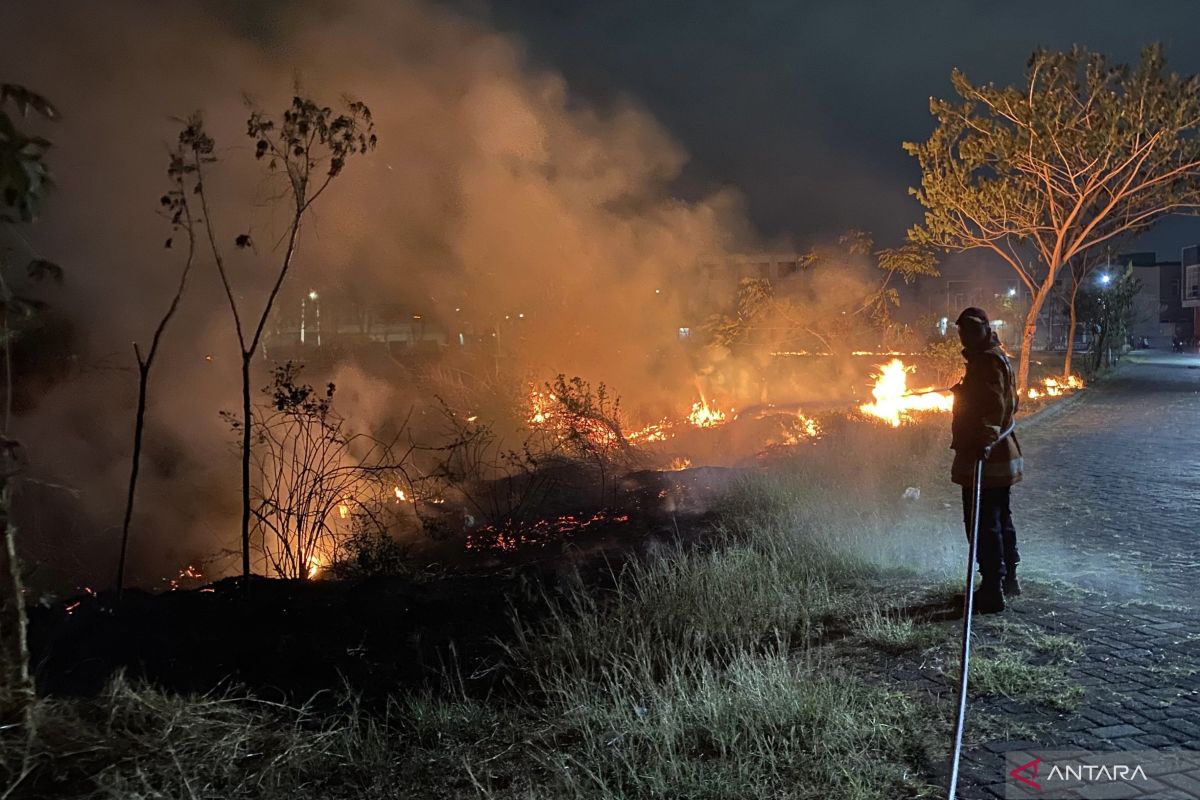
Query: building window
column 1191, row 284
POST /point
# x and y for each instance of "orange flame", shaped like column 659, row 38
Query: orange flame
column 893, row 401
column 1055, row 387
column 705, row 416
column 656, row 432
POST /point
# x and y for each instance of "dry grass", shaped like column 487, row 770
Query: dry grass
column 698, row 675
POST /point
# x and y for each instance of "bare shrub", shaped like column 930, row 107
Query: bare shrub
column 316, row 483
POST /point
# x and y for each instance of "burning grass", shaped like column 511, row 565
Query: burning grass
column 698, row 671
column 895, row 403
column 1055, row 386
column 702, row 670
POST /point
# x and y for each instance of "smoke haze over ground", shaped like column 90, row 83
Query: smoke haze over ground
column 493, row 193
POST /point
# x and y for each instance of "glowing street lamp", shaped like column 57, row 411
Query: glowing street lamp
column 313, row 297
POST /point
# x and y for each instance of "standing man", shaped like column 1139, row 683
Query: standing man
column 985, row 403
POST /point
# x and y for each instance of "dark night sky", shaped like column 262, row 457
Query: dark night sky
column 803, row 106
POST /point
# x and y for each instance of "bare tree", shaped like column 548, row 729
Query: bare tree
column 1084, row 153
column 309, row 146
column 175, row 207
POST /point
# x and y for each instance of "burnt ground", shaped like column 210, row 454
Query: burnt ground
column 299, row 638
column 296, row 639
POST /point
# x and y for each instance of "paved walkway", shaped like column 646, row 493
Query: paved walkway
column 1112, row 504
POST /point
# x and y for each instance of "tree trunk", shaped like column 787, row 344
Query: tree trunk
column 14, row 647
column 1071, row 333
column 139, row 430
column 1030, row 327
column 8, row 375
column 246, row 421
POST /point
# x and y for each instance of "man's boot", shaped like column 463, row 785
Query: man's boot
column 1012, row 587
column 989, row 599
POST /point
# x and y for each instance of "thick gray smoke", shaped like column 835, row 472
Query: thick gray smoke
column 488, row 176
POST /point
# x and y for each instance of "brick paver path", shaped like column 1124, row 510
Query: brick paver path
column 1112, row 504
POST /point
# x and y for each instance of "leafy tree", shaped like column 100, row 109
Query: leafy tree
column 24, row 182
column 1082, row 153
column 795, row 314
column 24, row 174
column 945, row 358
column 1108, row 308
column 308, row 147
column 1078, row 270
column 753, row 295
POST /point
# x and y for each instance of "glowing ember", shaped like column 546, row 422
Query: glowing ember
column 884, row 353
column 540, row 407
column 705, row 416
column 188, row 573
column 801, row 428
column 658, row 432
column 538, row 534
column 893, row 401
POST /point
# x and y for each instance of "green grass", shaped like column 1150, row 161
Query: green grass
column 892, row 633
column 698, row 674
column 1012, row 674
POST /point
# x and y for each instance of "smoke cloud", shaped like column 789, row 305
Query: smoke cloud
column 493, row 194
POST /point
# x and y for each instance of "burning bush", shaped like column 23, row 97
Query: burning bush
column 315, row 482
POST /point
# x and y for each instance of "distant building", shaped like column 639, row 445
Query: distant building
column 308, row 320
column 1004, row 300
column 727, row 270
column 1189, row 287
column 711, row 282
column 1158, row 312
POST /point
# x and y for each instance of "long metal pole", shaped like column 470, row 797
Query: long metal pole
column 968, row 610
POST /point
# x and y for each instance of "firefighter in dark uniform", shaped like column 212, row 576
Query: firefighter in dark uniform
column 985, row 403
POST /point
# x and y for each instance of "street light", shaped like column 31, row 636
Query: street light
column 1105, row 279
